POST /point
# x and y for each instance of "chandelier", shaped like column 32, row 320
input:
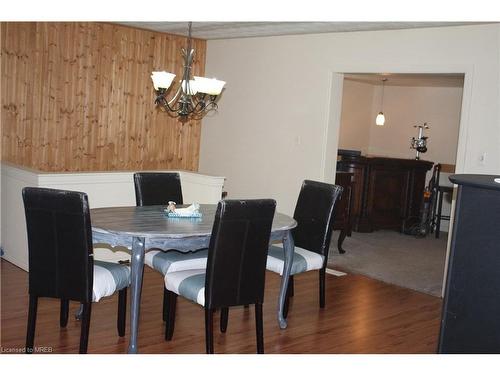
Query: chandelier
column 194, row 97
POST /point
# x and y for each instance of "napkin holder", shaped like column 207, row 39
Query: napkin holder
column 193, row 211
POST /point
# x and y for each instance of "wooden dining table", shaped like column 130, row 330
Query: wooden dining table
column 148, row 227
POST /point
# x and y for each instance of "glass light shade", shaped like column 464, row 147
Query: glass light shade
column 380, row 120
column 210, row 86
column 192, row 87
column 162, row 80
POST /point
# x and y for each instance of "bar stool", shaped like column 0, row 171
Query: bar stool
column 442, row 190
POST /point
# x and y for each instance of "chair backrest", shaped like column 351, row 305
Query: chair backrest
column 157, row 188
column 59, row 244
column 315, row 214
column 237, row 254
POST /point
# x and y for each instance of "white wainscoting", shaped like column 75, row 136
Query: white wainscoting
column 104, row 189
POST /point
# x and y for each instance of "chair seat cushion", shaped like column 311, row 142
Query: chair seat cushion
column 173, row 261
column 303, row 260
column 188, row 283
column 108, row 278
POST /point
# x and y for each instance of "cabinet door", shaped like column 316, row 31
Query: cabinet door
column 387, row 197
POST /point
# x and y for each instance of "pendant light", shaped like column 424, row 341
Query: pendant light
column 194, row 97
column 380, row 119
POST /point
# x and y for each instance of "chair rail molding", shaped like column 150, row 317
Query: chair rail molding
column 104, row 189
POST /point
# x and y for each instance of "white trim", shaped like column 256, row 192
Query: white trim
column 322, row 171
column 202, row 179
column 332, row 127
column 67, row 178
column 333, row 272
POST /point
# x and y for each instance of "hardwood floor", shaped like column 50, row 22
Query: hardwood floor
column 361, row 316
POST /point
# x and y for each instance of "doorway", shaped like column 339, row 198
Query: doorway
column 406, row 100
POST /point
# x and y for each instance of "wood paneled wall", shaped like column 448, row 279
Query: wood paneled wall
column 78, row 97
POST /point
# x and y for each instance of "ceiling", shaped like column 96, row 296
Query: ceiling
column 228, row 30
column 414, row 80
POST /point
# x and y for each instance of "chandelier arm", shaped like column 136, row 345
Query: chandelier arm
column 194, row 100
column 167, row 105
column 195, row 104
column 192, row 107
column 171, row 111
column 199, row 107
column 211, row 106
column 208, row 108
column 174, row 98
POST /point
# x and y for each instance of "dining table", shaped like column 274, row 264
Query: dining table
column 140, row 228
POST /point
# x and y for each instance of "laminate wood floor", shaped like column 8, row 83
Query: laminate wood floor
column 362, row 315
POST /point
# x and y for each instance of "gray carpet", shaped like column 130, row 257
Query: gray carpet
column 414, row 263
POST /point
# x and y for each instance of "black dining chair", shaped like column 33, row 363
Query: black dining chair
column 61, row 263
column 315, row 214
column 158, row 188
column 235, row 272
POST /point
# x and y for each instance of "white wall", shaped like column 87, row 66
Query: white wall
column 405, row 106
column 273, row 120
column 357, row 116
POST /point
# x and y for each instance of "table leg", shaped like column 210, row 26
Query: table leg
column 136, row 272
column 79, row 312
column 342, row 236
column 288, row 246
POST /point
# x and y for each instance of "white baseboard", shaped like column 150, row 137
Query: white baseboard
column 337, row 273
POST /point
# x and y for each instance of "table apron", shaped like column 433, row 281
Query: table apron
column 278, row 235
column 181, row 244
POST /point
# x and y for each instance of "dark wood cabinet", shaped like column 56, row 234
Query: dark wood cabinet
column 343, row 207
column 471, row 305
column 387, row 192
